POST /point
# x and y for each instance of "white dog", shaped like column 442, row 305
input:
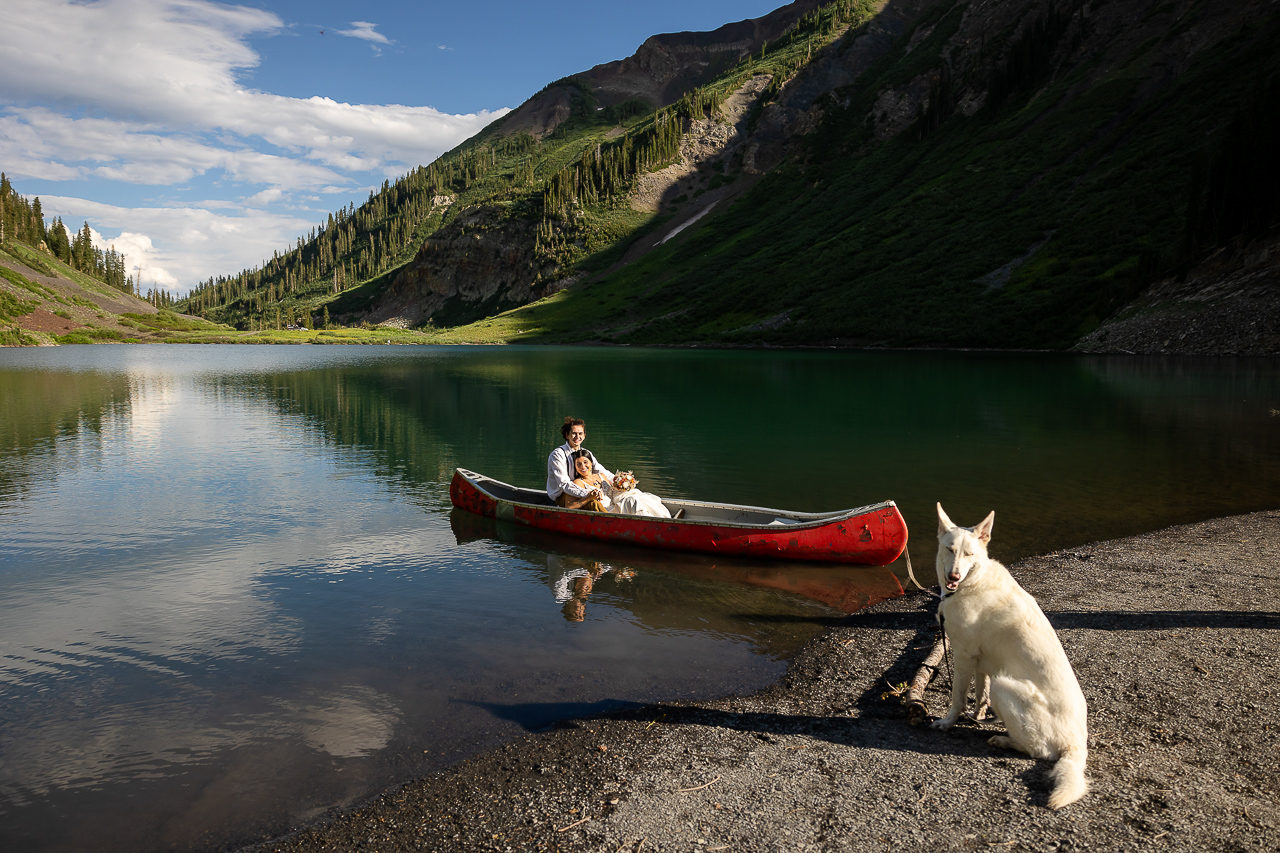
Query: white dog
column 999, row 635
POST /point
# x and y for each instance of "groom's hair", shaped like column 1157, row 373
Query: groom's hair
column 569, row 424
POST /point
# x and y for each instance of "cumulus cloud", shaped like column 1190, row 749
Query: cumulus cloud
column 145, row 59
column 177, row 246
column 150, row 93
column 146, row 69
column 143, row 153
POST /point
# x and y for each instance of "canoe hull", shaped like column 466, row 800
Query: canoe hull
column 874, row 535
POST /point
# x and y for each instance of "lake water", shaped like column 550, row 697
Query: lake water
column 235, row 595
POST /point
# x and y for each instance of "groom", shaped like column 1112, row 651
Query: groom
column 560, row 486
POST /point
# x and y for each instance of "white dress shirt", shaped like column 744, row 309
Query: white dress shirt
column 560, row 472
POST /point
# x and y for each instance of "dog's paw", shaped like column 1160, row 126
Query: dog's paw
column 943, row 723
column 1002, row 741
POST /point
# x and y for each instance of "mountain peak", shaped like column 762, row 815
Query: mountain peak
column 670, row 64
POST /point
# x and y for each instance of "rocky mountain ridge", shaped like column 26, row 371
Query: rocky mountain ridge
column 1005, row 174
column 659, row 73
column 484, row 262
column 667, row 66
column 991, row 173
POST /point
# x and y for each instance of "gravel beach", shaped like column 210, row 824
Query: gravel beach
column 1174, row 636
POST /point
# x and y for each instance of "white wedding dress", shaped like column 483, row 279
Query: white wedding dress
column 636, row 502
column 630, row 502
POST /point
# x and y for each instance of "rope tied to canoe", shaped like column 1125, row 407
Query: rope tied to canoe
column 906, row 552
column 917, row 712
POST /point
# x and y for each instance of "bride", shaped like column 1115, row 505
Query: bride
column 620, row 495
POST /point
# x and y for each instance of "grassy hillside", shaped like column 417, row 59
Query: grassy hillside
column 348, row 262
column 1004, row 174
column 44, row 302
column 1022, row 225
column 569, row 190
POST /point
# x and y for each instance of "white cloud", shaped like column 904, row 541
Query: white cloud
column 142, row 153
column 264, row 198
column 146, row 69
column 365, row 30
column 145, row 262
column 146, row 59
column 178, row 246
column 149, row 92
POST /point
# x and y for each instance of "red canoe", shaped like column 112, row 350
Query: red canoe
column 872, row 535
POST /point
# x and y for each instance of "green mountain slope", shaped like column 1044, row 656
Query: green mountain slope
column 509, row 205
column 1017, row 221
column 1023, row 224
column 45, row 301
column 927, row 172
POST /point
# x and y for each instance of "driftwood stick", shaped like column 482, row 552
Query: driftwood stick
column 916, row 711
column 575, row 823
column 700, row 787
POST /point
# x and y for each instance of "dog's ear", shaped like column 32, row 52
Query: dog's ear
column 944, row 523
column 983, row 528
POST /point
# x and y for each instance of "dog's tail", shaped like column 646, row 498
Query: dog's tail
column 1069, row 783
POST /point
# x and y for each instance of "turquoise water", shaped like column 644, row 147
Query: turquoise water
column 235, row 595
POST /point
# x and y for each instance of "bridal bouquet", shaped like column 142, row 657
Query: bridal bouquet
column 624, row 481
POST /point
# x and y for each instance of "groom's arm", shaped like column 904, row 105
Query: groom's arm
column 558, row 481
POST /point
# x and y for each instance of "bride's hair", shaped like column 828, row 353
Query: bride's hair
column 580, row 454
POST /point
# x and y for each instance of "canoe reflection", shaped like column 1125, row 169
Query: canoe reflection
column 572, row 580
column 576, row 565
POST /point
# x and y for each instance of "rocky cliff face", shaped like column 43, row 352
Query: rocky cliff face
column 542, row 113
column 486, row 261
column 1227, row 305
column 659, row 72
column 666, row 66
column 481, row 263
column 1109, row 31
column 799, row 105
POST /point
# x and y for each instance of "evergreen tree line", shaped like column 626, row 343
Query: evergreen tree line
column 160, row 298
column 1029, row 62
column 23, row 220
column 1235, row 187
column 1026, row 66
column 608, row 171
column 357, row 244
column 941, row 106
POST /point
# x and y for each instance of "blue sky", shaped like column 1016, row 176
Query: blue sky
column 198, row 137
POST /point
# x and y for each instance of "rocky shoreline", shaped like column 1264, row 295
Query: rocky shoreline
column 1227, row 305
column 1174, row 636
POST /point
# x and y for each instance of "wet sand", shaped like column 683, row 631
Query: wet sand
column 1174, row 636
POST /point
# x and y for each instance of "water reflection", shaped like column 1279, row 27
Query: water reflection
column 41, row 414
column 236, row 594
column 573, row 580
column 1065, row 449
column 574, row 566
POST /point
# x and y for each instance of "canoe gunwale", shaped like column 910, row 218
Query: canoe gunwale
column 804, row 520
